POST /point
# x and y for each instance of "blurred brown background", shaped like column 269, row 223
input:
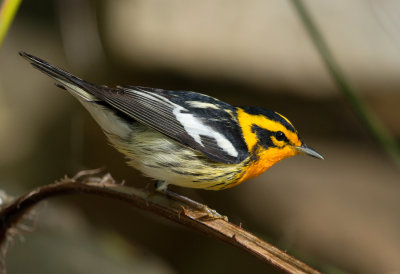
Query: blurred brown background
column 339, row 215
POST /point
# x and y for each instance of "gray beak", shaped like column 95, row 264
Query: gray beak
column 308, row 150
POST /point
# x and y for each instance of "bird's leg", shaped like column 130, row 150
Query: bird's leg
column 212, row 213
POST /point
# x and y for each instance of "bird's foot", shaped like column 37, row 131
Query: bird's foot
column 210, row 213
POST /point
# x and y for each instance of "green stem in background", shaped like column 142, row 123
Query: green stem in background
column 370, row 120
column 8, row 10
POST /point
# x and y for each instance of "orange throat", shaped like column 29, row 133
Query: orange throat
column 264, row 160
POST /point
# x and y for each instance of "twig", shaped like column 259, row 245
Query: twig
column 378, row 130
column 157, row 203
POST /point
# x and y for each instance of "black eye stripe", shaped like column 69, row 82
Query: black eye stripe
column 264, row 136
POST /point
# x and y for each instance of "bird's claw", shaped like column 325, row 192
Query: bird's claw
column 212, row 213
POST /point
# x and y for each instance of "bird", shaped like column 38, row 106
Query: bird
column 184, row 138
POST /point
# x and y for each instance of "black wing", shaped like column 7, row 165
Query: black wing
column 198, row 121
column 195, row 120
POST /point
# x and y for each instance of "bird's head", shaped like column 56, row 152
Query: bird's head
column 271, row 136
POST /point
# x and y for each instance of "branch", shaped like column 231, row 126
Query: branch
column 12, row 214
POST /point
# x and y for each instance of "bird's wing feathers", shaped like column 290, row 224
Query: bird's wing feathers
column 198, row 121
column 201, row 125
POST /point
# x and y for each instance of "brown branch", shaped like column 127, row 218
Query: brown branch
column 12, row 214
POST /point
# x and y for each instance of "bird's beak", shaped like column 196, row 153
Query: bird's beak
column 308, row 150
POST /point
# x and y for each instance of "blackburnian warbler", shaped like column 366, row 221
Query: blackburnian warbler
column 184, row 138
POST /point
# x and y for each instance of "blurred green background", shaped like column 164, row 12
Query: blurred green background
column 338, row 215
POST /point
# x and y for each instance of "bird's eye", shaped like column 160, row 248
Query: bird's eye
column 280, row 136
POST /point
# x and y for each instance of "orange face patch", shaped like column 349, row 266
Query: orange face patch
column 265, row 157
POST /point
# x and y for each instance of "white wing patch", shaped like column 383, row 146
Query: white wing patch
column 198, row 104
column 194, row 127
column 191, row 124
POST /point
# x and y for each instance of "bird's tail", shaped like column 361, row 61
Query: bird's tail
column 64, row 79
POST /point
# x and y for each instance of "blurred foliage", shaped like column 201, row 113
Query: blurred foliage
column 8, row 10
column 370, row 120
